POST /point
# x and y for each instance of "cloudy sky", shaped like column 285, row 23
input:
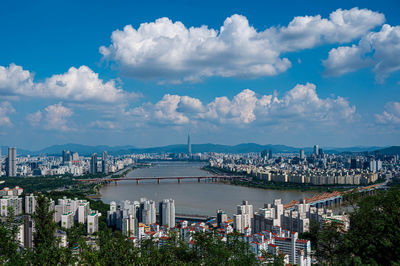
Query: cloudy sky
column 145, row 74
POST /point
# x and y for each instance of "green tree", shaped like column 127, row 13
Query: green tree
column 46, row 250
column 374, row 234
column 9, row 254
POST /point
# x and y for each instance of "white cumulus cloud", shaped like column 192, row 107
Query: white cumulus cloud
column 77, row 84
column 379, row 50
column 299, row 105
column 53, row 117
column 391, row 114
column 5, row 109
column 170, row 52
column 103, row 124
column 34, row 118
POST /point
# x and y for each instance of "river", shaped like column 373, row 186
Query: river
column 191, row 197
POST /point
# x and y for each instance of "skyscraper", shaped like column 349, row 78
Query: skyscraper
column 11, row 165
column 75, row 157
column 148, row 211
column 302, row 156
column 104, row 163
column 221, row 218
column 245, row 214
column 316, row 150
column 93, row 164
column 167, row 212
column 189, row 147
column 30, row 204
column 66, row 157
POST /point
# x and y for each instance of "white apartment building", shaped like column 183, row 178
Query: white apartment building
column 148, row 211
column 67, row 220
column 93, row 222
column 30, row 204
column 129, row 226
column 83, row 211
column 10, row 201
column 167, row 212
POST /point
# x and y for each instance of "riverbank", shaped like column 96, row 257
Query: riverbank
column 251, row 181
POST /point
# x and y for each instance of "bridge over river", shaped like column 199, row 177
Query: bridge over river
column 159, row 179
column 325, row 200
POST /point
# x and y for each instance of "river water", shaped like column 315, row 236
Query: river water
column 191, row 197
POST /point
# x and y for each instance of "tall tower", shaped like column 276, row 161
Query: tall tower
column 11, row 165
column 93, row 164
column 189, row 147
column 302, row 156
column 316, row 149
column 104, row 164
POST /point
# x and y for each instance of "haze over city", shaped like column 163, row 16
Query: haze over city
column 146, row 74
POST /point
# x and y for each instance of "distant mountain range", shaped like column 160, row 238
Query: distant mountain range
column 240, row 148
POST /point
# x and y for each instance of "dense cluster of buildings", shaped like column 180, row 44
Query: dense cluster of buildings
column 68, row 163
column 131, row 217
column 272, row 229
column 294, row 219
column 67, row 213
column 317, row 168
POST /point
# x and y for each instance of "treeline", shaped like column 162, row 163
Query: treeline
column 34, row 184
column 39, row 183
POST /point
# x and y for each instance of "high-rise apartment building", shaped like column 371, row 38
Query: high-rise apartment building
column 167, row 212
column 11, row 163
column 30, row 204
column 302, row 156
column 104, row 163
column 189, row 146
column 93, row 222
column 316, row 150
column 75, row 157
column 67, row 220
column 237, row 223
column 129, row 226
column 245, row 214
column 93, row 164
column 66, row 157
column 147, row 211
column 10, row 201
column 28, row 231
column 222, row 217
column 83, row 211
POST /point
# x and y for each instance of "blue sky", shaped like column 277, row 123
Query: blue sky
column 287, row 72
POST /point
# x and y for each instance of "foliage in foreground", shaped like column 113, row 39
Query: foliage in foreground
column 114, row 248
column 373, row 237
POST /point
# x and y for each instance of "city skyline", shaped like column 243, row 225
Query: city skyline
column 140, row 74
